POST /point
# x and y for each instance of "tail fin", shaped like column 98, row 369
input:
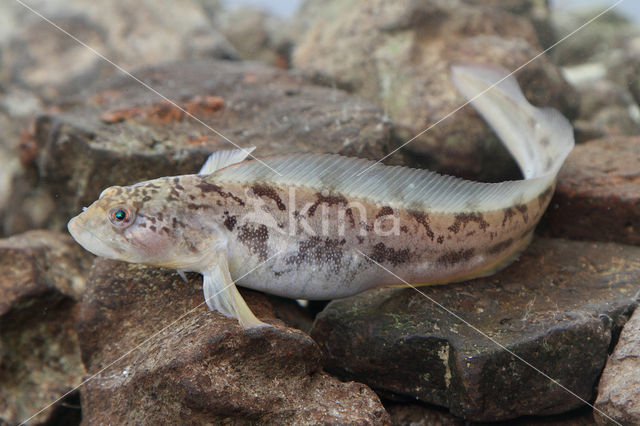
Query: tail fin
column 538, row 138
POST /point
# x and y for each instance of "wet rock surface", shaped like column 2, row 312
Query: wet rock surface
column 123, row 133
column 598, row 193
column 556, row 308
column 196, row 366
column 399, row 54
column 42, row 274
column 619, row 387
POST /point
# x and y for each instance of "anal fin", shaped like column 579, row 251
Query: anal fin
column 222, row 295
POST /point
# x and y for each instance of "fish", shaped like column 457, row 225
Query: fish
column 321, row 226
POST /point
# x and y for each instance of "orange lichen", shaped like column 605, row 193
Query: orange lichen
column 165, row 111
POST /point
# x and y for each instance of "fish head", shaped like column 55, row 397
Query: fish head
column 138, row 224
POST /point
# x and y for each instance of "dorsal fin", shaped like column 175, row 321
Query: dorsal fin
column 224, row 158
column 539, row 139
column 396, row 186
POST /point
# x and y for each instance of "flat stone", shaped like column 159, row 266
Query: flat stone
column 399, row 54
column 161, row 357
column 41, row 276
column 598, row 193
column 619, row 387
column 556, row 308
column 123, row 133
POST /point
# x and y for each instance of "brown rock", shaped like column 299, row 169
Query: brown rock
column 38, row 55
column 598, row 193
column 398, row 54
column 556, row 308
column 536, row 11
column 41, row 276
column 124, row 134
column 619, row 387
column 256, row 35
column 160, row 356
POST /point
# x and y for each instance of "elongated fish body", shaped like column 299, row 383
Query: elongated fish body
column 321, row 226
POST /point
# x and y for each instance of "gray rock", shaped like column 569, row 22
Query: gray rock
column 161, row 357
column 619, row 387
column 399, row 55
column 556, row 308
column 42, row 274
column 123, row 133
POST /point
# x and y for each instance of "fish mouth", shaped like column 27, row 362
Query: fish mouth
column 90, row 241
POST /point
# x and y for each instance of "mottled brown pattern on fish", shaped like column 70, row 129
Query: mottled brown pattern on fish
column 462, row 219
column 230, row 221
column 317, row 250
column 269, row 192
column 175, row 223
column 423, row 220
column 522, row 208
column 544, row 197
column 454, row 257
column 383, row 254
column 329, row 200
column 206, row 187
column 384, row 211
column 508, row 214
column 255, row 239
column 500, row 247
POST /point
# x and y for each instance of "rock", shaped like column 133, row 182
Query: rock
column 606, row 109
column 536, row 11
column 619, row 387
column 161, row 357
column 593, row 43
column 598, row 193
column 42, row 274
column 256, row 35
column 399, row 54
column 420, row 415
column 556, row 308
column 123, row 133
column 37, row 55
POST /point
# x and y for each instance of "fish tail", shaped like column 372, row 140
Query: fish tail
column 538, row 138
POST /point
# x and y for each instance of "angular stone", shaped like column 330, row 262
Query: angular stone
column 398, row 54
column 619, row 387
column 36, row 54
column 41, row 275
column 124, row 133
column 598, row 193
column 161, row 357
column 555, row 308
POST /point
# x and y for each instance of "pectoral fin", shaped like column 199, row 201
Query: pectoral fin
column 221, row 294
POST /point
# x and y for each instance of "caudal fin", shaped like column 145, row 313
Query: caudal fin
column 538, row 138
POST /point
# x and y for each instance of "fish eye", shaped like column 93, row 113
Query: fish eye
column 121, row 216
